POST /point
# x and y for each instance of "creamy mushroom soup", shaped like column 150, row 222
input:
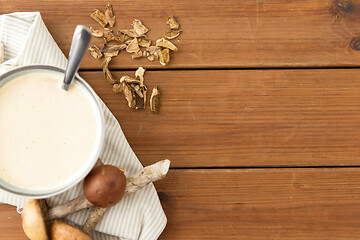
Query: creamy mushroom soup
column 47, row 134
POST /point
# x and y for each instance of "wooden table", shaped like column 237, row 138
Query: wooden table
column 260, row 113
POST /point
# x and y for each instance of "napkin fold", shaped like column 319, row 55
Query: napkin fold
column 138, row 216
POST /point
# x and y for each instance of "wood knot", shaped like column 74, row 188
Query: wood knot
column 344, row 5
column 355, row 44
column 163, row 197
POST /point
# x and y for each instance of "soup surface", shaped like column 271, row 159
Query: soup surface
column 47, row 134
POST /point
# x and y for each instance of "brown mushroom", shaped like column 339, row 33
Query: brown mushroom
column 33, row 221
column 146, row 175
column 104, row 186
column 63, row 231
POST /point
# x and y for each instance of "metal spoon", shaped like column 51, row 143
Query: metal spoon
column 79, row 44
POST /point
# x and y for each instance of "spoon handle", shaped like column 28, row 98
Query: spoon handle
column 80, row 42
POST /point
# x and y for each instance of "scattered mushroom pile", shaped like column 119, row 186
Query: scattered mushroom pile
column 134, row 91
column 38, row 221
column 135, row 42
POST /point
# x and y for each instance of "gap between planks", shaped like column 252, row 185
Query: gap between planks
column 217, row 69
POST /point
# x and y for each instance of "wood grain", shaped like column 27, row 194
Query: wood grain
column 262, row 204
column 250, row 204
column 222, row 34
column 244, row 118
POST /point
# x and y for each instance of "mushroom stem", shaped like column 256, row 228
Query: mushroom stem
column 72, row 206
column 93, row 218
column 146, row 175
column 152, row 173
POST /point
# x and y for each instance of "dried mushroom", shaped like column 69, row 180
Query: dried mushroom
column 151, row 58
column 95, row 52
column 133, row 46
column 99, row 17
column 144, row 42
column 164, row 56
column 138, row 54
column 129, row 80
column 153, row 49
column 172, row 22
column 139, row 28
column 111, row 54
column 137, row 45
column 172, row 34
column 109, row 36
column 109, row 15
column 146, row 54
column 129, row 95
column 131, row 33
column 135, row 89
column 141, row 98
column 106, row 71
column 139, row 90
column 139, row 74
column 96, row 33
column 113, row 47
column 162, row 42
column 155, row 100
column 117, row 88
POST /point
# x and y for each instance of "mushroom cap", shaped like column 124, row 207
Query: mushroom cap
column 63, row 231
column 33, row 221
column 104, row 186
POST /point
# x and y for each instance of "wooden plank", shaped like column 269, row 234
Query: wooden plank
column 250, row 204
column 10, row 227
column 218, row 33
column 262, row 204
column 244, row 118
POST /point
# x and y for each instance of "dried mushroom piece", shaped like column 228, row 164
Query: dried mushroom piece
column 153, row 49
column 117, row 88
column 172, row 34
column 137, row 54
column 144, row 42
column 133, row 46
column 122, row 38
column 109, row 15
column 111, row 54
column 109, row 36
column 106, row 71
column 164, row 56
column 146, row 54
column 151, row 58
column 137, row 98
column 172, row 22
column 139, row 28
column 139, row 90
column 129, row 95
column 96, row 33
column 129, row 80
column 95, row 52
column 99, row 17
column 162, row 42
column 112, row 47
column 155, row 100
column 141, row 98
column 131, row 33
column 139, row 74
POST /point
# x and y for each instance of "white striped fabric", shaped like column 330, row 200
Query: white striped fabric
column 138, row 216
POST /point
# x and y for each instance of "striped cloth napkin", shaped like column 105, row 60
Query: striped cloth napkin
column 138, row 216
